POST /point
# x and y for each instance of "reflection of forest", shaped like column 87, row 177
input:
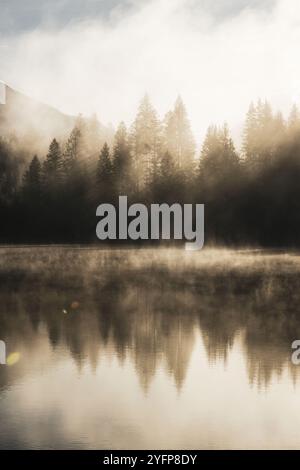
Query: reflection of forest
column 147, row 306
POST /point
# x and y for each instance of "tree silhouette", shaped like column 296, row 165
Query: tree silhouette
column 251, row 198
column 53, row 167
column 32, row 179
column 179, row 139
column 104, row 175
column 122, row 164
column 72, row 154
column 8, row 172
column 145, row 143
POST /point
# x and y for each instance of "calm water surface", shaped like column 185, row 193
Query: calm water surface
column 149, row 349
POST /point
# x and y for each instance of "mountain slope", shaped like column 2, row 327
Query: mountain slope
column 34, row 124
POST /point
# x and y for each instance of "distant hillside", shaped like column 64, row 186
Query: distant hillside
column 33, row 123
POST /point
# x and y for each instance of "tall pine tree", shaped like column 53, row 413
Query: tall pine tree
column 104, row 176
column 32, row 179
column 122, row 165
column 53, row 167
column 179, row 139
column 145, row 143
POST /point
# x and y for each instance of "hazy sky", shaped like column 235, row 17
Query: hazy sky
column 22, row 15
column 102, row 56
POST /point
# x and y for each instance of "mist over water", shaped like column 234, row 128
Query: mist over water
column 149, row 348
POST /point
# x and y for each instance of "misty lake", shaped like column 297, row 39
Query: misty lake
column 149, row 348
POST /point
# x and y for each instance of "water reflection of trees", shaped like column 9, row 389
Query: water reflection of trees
column 150, row 312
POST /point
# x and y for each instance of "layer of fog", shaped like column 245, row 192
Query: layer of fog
column 164, row 47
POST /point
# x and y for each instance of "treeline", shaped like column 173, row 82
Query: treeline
column 251, row 197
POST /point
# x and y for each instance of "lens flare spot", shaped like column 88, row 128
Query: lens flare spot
column 13, row 358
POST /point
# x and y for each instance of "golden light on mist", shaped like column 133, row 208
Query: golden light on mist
column 165, row 48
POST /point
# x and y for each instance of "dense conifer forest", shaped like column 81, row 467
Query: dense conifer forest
column 251, row 196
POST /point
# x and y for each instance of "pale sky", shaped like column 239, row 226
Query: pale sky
column 22, row 15
column 102, row 56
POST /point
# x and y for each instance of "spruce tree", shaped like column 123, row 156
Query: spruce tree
column 104, row 175
column 72, row 153
column 179, row 139
column 250, row 134
column 219, row 160
column 32, row 178
column 122, row 167
column 53, row 167
column 145, row 143
column 8, row 172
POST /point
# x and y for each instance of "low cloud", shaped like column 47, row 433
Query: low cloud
column 218, row 60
